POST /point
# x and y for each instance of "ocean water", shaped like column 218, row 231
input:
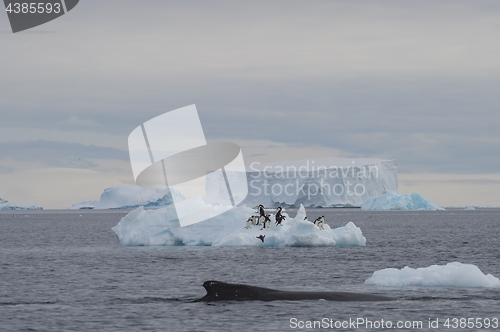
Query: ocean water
column 65, row 271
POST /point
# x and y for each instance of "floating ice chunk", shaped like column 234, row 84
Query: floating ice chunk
column 450, row 275
column 349, row 235
column 161, row 228
column 393, row 201
column 469, row 208
column 15, row 206
column 84, row 204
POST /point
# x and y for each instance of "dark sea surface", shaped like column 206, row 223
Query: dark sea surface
column 64, row 270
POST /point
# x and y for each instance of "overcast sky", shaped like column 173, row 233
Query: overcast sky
column 415, row 81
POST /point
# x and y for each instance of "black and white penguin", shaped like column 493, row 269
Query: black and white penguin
column 267, row 222
column 261, row 211
column 261, row 237
column 279, row 217
column 320, row 221
column 249, row 223
column 254, row 219
column 259, row 220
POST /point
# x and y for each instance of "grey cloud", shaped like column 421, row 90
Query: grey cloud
column 413, row 81
column 58, row 154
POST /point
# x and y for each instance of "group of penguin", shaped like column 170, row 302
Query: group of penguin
column 264, row 220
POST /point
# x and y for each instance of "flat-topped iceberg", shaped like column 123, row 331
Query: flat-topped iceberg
column 450, row 275
column 393, row 201
column 15, row 206
column 161, row 228
column 131, row 197
column 325, row 182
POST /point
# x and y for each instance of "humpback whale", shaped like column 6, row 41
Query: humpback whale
column 222, row 291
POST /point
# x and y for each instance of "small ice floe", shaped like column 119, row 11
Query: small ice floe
column 453, row 274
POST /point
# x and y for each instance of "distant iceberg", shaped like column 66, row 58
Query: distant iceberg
column 393, row 201
column 15, row 206
column 324, row 182
column 161, row 228
column 450, row 275
column 131, row 197
column 469, row 208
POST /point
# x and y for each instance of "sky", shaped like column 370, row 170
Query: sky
column 414, row 81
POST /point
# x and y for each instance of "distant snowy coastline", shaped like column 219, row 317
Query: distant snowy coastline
column 15, row 206
column 131, row 197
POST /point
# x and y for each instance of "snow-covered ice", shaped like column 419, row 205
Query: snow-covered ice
column 161, row 228
column 393, row 201
column 326, row 182
column 453, row 274
column 131, row 197
column 15, row 206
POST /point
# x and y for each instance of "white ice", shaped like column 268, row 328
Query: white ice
column 450, row 275
column 324, row 182
column 393, row 201
column 15, row 206
column 469, row 208
column 161, row 228
column 131, row 197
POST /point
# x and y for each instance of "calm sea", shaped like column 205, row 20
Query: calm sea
column 64, row 270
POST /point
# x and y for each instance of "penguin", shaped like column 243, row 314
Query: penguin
column 261, row 211
column 254, row 220
column 266, row 222
column 249, row 223
column 279, row 217
column 261, row 237
column 259, row 220
column 320, row 221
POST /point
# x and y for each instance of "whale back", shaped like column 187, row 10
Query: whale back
column 222, row 291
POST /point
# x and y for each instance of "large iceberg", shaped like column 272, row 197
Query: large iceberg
column 450, row 275
column 161, row 228
column 393, row 201
column 15, row 206
column 327, row 182
column 131, row 197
